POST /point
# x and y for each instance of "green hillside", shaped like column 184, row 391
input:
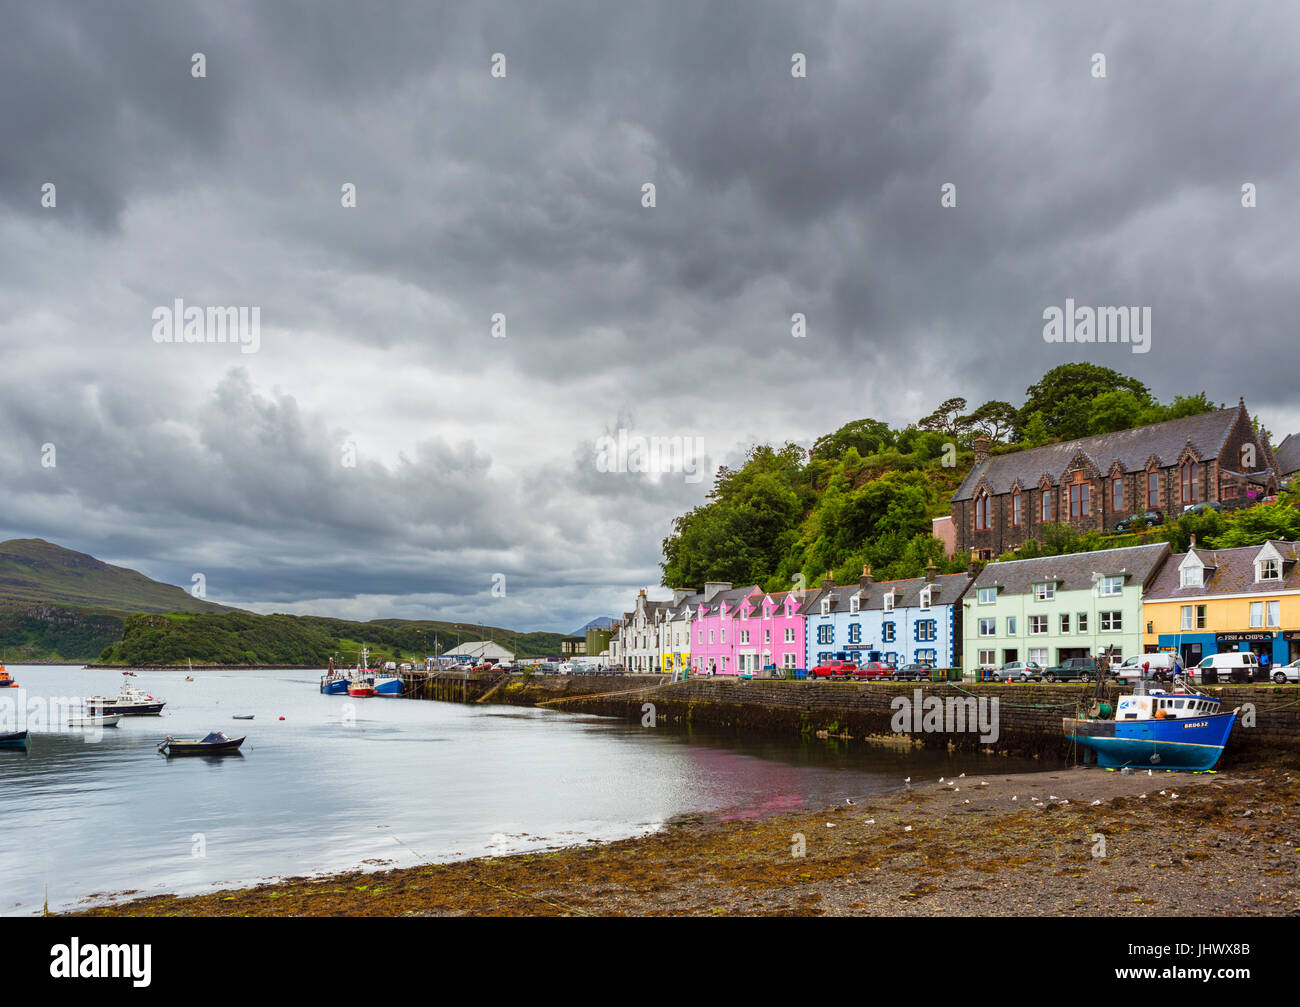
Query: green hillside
column 33, row 571
column 244, row 638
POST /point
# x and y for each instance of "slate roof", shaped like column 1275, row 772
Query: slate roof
column 1288, row 455
column 1232, row 572
column 947, row 590
column 1131, row 448
column 1073, row 571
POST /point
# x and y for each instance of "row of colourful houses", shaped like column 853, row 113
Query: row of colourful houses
column 1048, row 609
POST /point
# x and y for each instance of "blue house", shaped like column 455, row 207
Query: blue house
column 896, row 621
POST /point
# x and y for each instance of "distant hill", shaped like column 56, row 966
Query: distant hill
column 603, row 622
column 33, row 571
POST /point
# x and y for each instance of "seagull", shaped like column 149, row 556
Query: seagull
column 1096, row 802
column 830, row 825
column 941, row 779
column 1015, row 797
column 848, row 801
column 1142, row 797
column 962, row 777
column 1162, row 793
column 1173, row 797
column 956, row 790
column 907, row 828
column 967, row 801
column 1148, row 772
column 983, row 783
column 869, row 821
column 1053, row 797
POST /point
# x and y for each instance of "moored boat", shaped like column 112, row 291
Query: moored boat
column 5, row 681
column 130, row 702
column 215, row 743
column 104, row 720
column 1182, row 729
column 15, row 739
column 388, row 685
column 361, row 687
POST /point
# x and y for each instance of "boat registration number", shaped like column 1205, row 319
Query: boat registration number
column 1197, row 723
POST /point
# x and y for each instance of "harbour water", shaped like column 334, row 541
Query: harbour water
column 345, row 783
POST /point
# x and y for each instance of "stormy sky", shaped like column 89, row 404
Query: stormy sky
column 522, row 195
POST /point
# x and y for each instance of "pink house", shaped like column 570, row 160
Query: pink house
column 739, row 630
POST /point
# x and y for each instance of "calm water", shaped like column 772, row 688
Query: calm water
column 398, row 782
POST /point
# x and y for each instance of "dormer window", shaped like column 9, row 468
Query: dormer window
column 1111, row 586
column 1192, row 576
column 826, row 606
column 1268, row 569
column 889, row 601
column 925, row 596
column 1045, row 592
column 854, row 604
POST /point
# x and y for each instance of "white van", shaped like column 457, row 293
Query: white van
column 1162, row 666
column 1229, row 661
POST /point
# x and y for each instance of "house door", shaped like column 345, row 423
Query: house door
column 1191, row 654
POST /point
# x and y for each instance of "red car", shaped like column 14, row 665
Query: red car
column 833, row 669
column 876, row 670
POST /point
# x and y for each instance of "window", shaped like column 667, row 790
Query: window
column 1081, row 622
column 1111, row 586
column 983, row 520
column 710, row 636
column 1188, row 474
column 722, row 635
column 1269, row 569
column 744, row 613
column 1011, row 625
column 891, row 659
column 789, row 634
column 925, row 596
column 1273, row 614
column 1200, row 616
column 889, row 601
column 928, row 656
column 1047, row 505
column 826, row 606
column 854, row 604
column 887, row 632
column 825, row 634
column 1065, row 622
column 1112, row 622
column 1153, row 488
column 926, row 630
column 1189, row 616
column 1079, row 503
column 1256, row 615
column 744, row 636
column 1038, row 655
column 767, row 636
column 788, row 660
column 1117, row 495
column 855, row 633
column 1191, row 576
column 988, row 595
column 1044, row 592
column 1015, row 508
column 988, row 627
column 701, row 639
column 1037, row 625
column 988, row 658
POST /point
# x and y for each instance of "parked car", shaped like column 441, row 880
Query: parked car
column 1231, row 664
column 1162, row 667
column 1083, row 669
column 1018, row 671
column 1202, row 507
column 833, row 669
column 917, row 671
column 1151, row 517
column 873, row 671
column 1287, row 673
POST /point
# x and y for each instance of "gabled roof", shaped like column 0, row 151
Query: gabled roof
column 947, row 589
column 1207, row 433
column 1288, row 455
column 1074, row 571
column 1232, row 571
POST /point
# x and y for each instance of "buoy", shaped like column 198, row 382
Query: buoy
column 282, row 718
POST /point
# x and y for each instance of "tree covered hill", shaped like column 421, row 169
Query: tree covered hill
column 866, row 493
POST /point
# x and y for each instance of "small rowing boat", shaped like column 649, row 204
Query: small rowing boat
column 16, row 739
column 243, row 716
column 107, row 720
column 215, row 743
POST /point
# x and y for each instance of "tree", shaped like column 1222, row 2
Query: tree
column 1064, row 396
column 868, row 436
column 993, row 419
column 1117, row 410
column 948, row 418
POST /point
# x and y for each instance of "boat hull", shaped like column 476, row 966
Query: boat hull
column 17, row 739
column 125, row 709
column 1183, row 743
column 230, row 747
column 389, row 686
column 334, row 686
column 107, row 720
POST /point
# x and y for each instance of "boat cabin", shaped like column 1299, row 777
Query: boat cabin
column 1159, row 705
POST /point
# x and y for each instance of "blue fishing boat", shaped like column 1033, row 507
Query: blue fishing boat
column 1183, row 729
column 15, row 739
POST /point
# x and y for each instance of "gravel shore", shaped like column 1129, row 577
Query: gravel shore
column 1071, row 841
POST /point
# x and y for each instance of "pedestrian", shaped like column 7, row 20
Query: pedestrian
column 1146, row 670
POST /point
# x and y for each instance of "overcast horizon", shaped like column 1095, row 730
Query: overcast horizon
column 513, row 187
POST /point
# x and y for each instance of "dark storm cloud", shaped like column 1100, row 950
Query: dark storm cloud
column 522, row 196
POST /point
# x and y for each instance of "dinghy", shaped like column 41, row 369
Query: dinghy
column 215, row 743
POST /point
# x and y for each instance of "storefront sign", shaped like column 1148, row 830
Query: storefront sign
column 1243, row 637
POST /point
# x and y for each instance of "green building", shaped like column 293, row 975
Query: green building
column 1052, row 608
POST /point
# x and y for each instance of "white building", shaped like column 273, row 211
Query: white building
column 482, row 650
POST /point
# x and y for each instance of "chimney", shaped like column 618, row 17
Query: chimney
column 827, row 582
column 981, row 446
column 680, row 594
column 1193, row 545
column 713, row 587
column 974, row 569
column 866, row 580
column 930, row 571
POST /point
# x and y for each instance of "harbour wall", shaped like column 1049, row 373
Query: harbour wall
column 1028, row 715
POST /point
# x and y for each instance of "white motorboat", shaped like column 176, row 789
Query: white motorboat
column 106, row 720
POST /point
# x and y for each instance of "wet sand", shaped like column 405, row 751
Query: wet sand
column 1064, row 842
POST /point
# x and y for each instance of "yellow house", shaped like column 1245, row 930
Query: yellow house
column 1206, row 601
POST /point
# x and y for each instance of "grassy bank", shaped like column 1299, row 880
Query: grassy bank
column 1174, row 843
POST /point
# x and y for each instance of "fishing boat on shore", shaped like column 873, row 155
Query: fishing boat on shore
column 15, row 739
column 1182, row 729
column 129, row 702
column 215, row 743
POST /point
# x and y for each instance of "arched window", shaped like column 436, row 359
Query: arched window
column 983, row 519
column 1080, row 504
column 1190, row 473
column 1015, row 508
column 1047, row 504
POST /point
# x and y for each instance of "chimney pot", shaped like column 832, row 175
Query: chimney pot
column 981, row 446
